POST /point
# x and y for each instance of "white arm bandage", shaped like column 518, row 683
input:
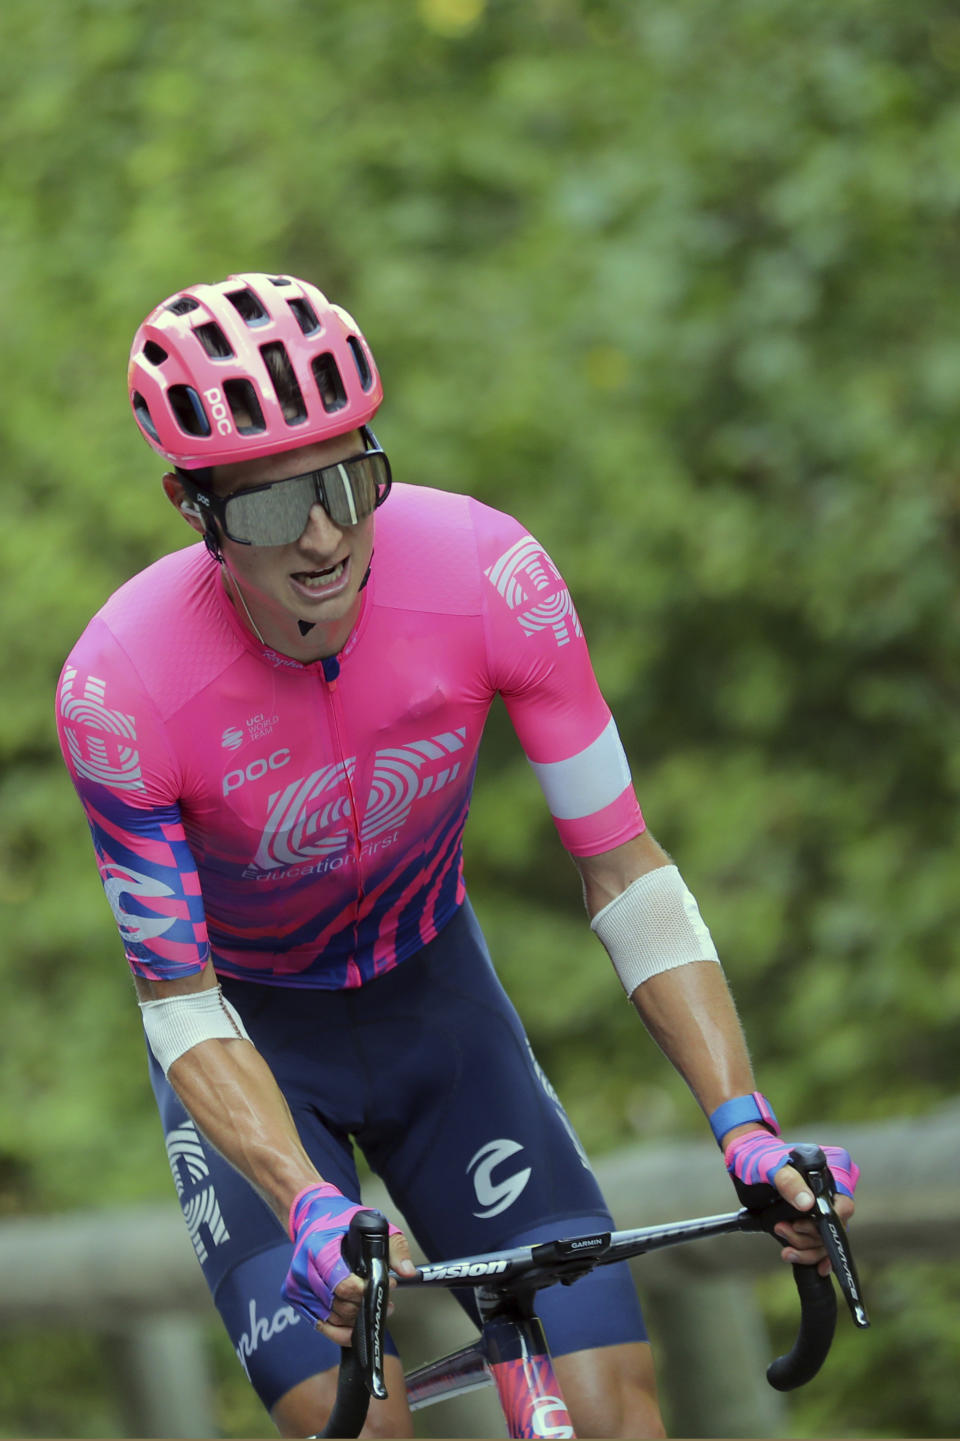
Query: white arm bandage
column 176, row 1023
column 653, row 926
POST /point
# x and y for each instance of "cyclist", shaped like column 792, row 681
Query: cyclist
column 273, row 735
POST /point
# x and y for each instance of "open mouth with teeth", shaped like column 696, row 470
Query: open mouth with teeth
column 320, row 579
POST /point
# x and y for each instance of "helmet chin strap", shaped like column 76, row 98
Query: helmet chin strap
column 211, row 540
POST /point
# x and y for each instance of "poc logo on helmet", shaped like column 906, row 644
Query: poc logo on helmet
column 220, row 412
column 233, row 780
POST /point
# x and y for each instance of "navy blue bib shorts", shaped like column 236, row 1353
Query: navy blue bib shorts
column 429, row 1071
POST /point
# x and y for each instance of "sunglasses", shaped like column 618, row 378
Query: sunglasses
column 277, row 513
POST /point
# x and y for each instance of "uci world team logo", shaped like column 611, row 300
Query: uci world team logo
column 312, row 818
column 532, row 586
column 101, row 741
column 496, row 1184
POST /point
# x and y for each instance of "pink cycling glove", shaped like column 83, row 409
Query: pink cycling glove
column 757, row 1156
column 319, row 1219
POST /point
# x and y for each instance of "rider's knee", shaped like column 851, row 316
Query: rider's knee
column 386, row 1420
column 304, row 1409
column 640, row 1416
column 627, row 1413
column 623, row 1413
column 612, row 1392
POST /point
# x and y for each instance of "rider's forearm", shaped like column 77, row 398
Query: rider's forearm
column 690, row 1013
column 230, row 1092
column 687, row 1008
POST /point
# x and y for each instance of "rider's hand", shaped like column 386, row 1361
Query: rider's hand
column 755, row 1157
column 320, row 1284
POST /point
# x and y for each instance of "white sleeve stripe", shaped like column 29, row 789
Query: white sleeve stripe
column 588, row 781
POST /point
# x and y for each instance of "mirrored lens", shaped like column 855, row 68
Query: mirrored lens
column 350, row 490
column 277, row 514
column 272, row 516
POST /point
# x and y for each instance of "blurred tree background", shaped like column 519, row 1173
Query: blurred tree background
column 673, row 281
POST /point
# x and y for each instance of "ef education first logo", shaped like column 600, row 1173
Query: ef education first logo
column 101, row 739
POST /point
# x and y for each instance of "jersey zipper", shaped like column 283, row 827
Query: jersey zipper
column 331, row 671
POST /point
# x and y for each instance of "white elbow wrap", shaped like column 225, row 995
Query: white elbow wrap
column 176, row 1023
column 653, row 926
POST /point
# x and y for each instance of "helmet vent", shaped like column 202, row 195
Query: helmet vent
column 248, row 307
column 183, row 305
column 279, row 280
column 242, row 400
column 360, row 361
column 154, row 353
column 142, row 411
column 326, row 373
column 213, row 340
column 285, row 383
column 305, row 314
column 188, row 410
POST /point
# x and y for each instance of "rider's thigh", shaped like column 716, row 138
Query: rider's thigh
column 304, row 1409
column 611, row 1391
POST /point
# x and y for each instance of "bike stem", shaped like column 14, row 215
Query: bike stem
column 515, row 1348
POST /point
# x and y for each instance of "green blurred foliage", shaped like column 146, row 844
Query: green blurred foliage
column 668, row 280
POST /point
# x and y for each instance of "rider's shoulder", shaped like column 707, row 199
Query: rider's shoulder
column 445, row 522
column 174, row 600
column 443, row 512
column 171, row 587
column 434, row 548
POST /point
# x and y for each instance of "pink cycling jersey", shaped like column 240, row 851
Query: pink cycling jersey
column 302, row 824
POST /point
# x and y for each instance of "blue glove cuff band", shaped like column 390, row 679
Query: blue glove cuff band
column 740, row 1110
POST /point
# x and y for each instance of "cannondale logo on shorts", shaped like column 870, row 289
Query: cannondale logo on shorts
column 101, row 742
column 496, row 1196
column 201, row 1209
column 530, row 583
column 312, row 818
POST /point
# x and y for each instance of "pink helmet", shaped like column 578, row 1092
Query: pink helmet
column 254, row 364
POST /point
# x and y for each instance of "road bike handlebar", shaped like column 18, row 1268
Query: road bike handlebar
column 527, row 1269
column 365, row 1250
column 818, row 1301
